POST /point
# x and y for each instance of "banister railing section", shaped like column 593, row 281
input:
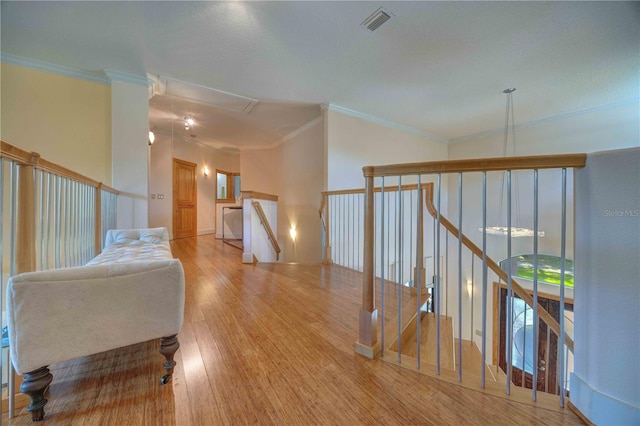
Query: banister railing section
column 52, row 217
column 432, row 293
column 265, row 223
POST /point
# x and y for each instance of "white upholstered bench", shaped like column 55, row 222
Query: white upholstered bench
column 131, row 293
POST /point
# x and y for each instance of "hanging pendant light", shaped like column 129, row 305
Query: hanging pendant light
column 516, row 231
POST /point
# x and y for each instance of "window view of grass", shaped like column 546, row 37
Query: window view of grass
column 548, row 269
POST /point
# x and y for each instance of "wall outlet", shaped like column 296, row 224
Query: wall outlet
column 479, row 333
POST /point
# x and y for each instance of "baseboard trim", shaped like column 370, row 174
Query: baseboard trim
column 598, row 407
column 367, row 351
column 579, row 413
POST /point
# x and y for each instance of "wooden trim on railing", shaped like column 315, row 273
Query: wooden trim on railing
column 50, row 167
column 521, row 292
column 25, row 260
column 479, row 165
column 97, row 230
column 14, row 153
column 109, row 189
column 323, row 211
column 324, row 221
column 33, row 158
column 258, row 195
column 367, row 343
column 267, row 227
column 390, row 188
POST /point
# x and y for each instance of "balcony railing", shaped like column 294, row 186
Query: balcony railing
column 52, row 217
column 432, row 294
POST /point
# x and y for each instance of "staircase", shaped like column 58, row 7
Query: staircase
column 495, row 378
column 402, row 235
column 449, row 347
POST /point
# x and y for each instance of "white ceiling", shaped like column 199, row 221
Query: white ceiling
column 437, row 67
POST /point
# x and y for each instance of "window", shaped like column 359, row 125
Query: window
column 227, row 186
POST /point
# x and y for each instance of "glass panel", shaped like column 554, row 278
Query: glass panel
column 522, row 335
column 236, row 187
column 221, row 185
column 548, row 268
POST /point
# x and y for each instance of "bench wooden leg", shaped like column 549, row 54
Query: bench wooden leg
column 35, row 383
column 168, row 348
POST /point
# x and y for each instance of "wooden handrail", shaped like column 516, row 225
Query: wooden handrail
column 390, row 188
column 479, row 165
column 23, row 157
column 491, row 264
column 323, row 210
column 258, row 195
column 109, row 189
column 267, row 227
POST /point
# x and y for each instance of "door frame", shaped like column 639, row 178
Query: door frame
column 175, row 198
column 497, row 325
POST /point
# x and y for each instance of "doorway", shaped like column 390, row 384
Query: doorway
column 522, row 360
column 184, row 199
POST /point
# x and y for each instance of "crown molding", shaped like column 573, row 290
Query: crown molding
column 54, row 68
column 387, row 123
column 300, row 129
column 125, row 77
column 500, row 130
column 105, row 77
column 286, row 137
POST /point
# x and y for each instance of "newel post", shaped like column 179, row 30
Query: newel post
column 327, row 226
column 367, row 344
column 26, row 219
column 98, row 221
column 26, row 231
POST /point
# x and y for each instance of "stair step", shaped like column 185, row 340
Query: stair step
column 471, row 355
column 472, row 360
column 428, row 340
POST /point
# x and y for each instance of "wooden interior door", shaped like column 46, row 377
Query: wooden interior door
column 184, row 199
column 547, row 359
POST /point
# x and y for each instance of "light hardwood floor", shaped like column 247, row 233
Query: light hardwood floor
column 265, row 344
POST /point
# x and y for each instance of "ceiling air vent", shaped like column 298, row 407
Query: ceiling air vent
column 376, row 19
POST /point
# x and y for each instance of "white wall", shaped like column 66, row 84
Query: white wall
column 610, row 128
column 160, row 183
column 260, row 170
column 129, row 152
column 606, row 383
column 302, row 174
column 294, row 171
column 162, row 153
column 354, row 143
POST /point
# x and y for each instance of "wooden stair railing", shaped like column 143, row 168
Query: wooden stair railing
column 325, row 216
column 367, row 343
column 265, row 223
column 491, row 264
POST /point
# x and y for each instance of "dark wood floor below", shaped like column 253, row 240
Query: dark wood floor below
column 265, row 344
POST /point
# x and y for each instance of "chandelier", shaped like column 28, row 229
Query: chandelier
column 498, row 229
